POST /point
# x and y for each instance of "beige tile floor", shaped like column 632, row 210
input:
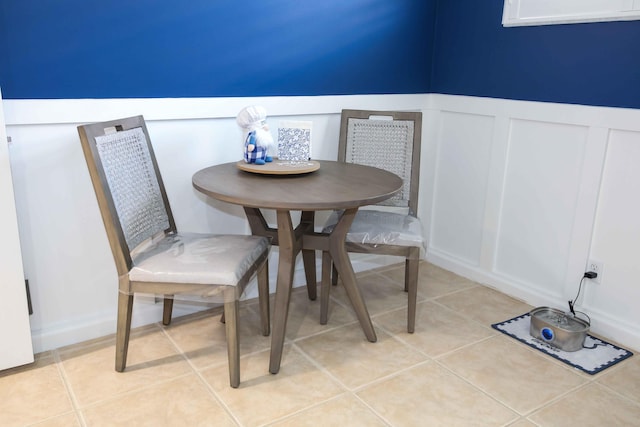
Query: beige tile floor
column 454, row 371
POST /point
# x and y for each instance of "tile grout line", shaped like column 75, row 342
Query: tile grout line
column 300, row 411
column 67, row 384
column 617, row 393
column 324, row 331
column 376, row 413
column 558, row 398
column 429, row 358
column 362, row 387
column 497, row 399
column 198, row 374
column 481, row 390
column 155, row 325
column 463, row 347
column 353, row 392
column 533, row 351
column 439, row 357
column 346, row 389
column 320, row 367
column 134, row 391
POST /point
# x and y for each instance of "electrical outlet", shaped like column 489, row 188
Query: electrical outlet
column 597, row 267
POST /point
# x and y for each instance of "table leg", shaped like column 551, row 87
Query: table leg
column 286, row 262
column 343, row 265
column 259, row 226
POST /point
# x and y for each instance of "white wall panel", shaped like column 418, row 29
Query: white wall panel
column 462, row 170
column 15, row 335
column 563, row 187
column 66, row 253
column 616, row 239
column 509, row 191
column 540, row 196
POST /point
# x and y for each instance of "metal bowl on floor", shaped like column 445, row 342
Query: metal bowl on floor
column 558, row 329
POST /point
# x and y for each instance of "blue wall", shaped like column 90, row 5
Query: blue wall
column 220, row 48
column 592, row 64
column 214, row 48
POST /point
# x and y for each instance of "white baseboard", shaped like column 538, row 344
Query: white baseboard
column 146, row 312
column 602, row 324
column 103, row 324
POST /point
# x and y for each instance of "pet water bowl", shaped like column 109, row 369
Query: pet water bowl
column 558, row 329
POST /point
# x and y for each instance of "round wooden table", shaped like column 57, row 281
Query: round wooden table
column 335, row 185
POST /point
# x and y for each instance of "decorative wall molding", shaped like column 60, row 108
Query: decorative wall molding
column 69, row 111
column 475, row 152
column 545, row 208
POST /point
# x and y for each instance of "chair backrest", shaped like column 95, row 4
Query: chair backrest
column 388, row 140
column 127, row 183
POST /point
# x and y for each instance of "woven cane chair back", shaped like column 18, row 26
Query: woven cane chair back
column 134, row 184
column 387, row 140
column 136, row 202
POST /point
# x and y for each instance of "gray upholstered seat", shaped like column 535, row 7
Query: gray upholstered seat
column 388, row 140
column 150, row 255
column 374, row 227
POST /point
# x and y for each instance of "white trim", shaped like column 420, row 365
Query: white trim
column 71, row 111
column 14, row 315
column 580, row 115
column 547, row 12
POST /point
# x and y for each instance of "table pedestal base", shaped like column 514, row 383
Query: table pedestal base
column 303, row 238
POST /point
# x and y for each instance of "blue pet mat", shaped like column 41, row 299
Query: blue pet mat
column 595, row 356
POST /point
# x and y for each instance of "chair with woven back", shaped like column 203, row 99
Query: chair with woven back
column 388, row 140
column 151, row 256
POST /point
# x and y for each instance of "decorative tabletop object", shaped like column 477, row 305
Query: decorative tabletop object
column 294, row 140
column 258, row 141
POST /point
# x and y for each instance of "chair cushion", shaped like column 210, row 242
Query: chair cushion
column 197, row 258
column 382, row 228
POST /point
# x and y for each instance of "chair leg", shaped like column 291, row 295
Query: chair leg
column 411, row 283
column 125, row 308
column 233, row 341
column 263, row 298
column 334, row 275
column 325, row 290
column 168, row 309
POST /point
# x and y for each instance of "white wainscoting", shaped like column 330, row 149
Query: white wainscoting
column 463, row 157
column 524, row 193
column 66, row 255
column 516, row 195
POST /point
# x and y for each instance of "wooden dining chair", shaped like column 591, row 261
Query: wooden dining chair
column 151, row 256
column 387, row 140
